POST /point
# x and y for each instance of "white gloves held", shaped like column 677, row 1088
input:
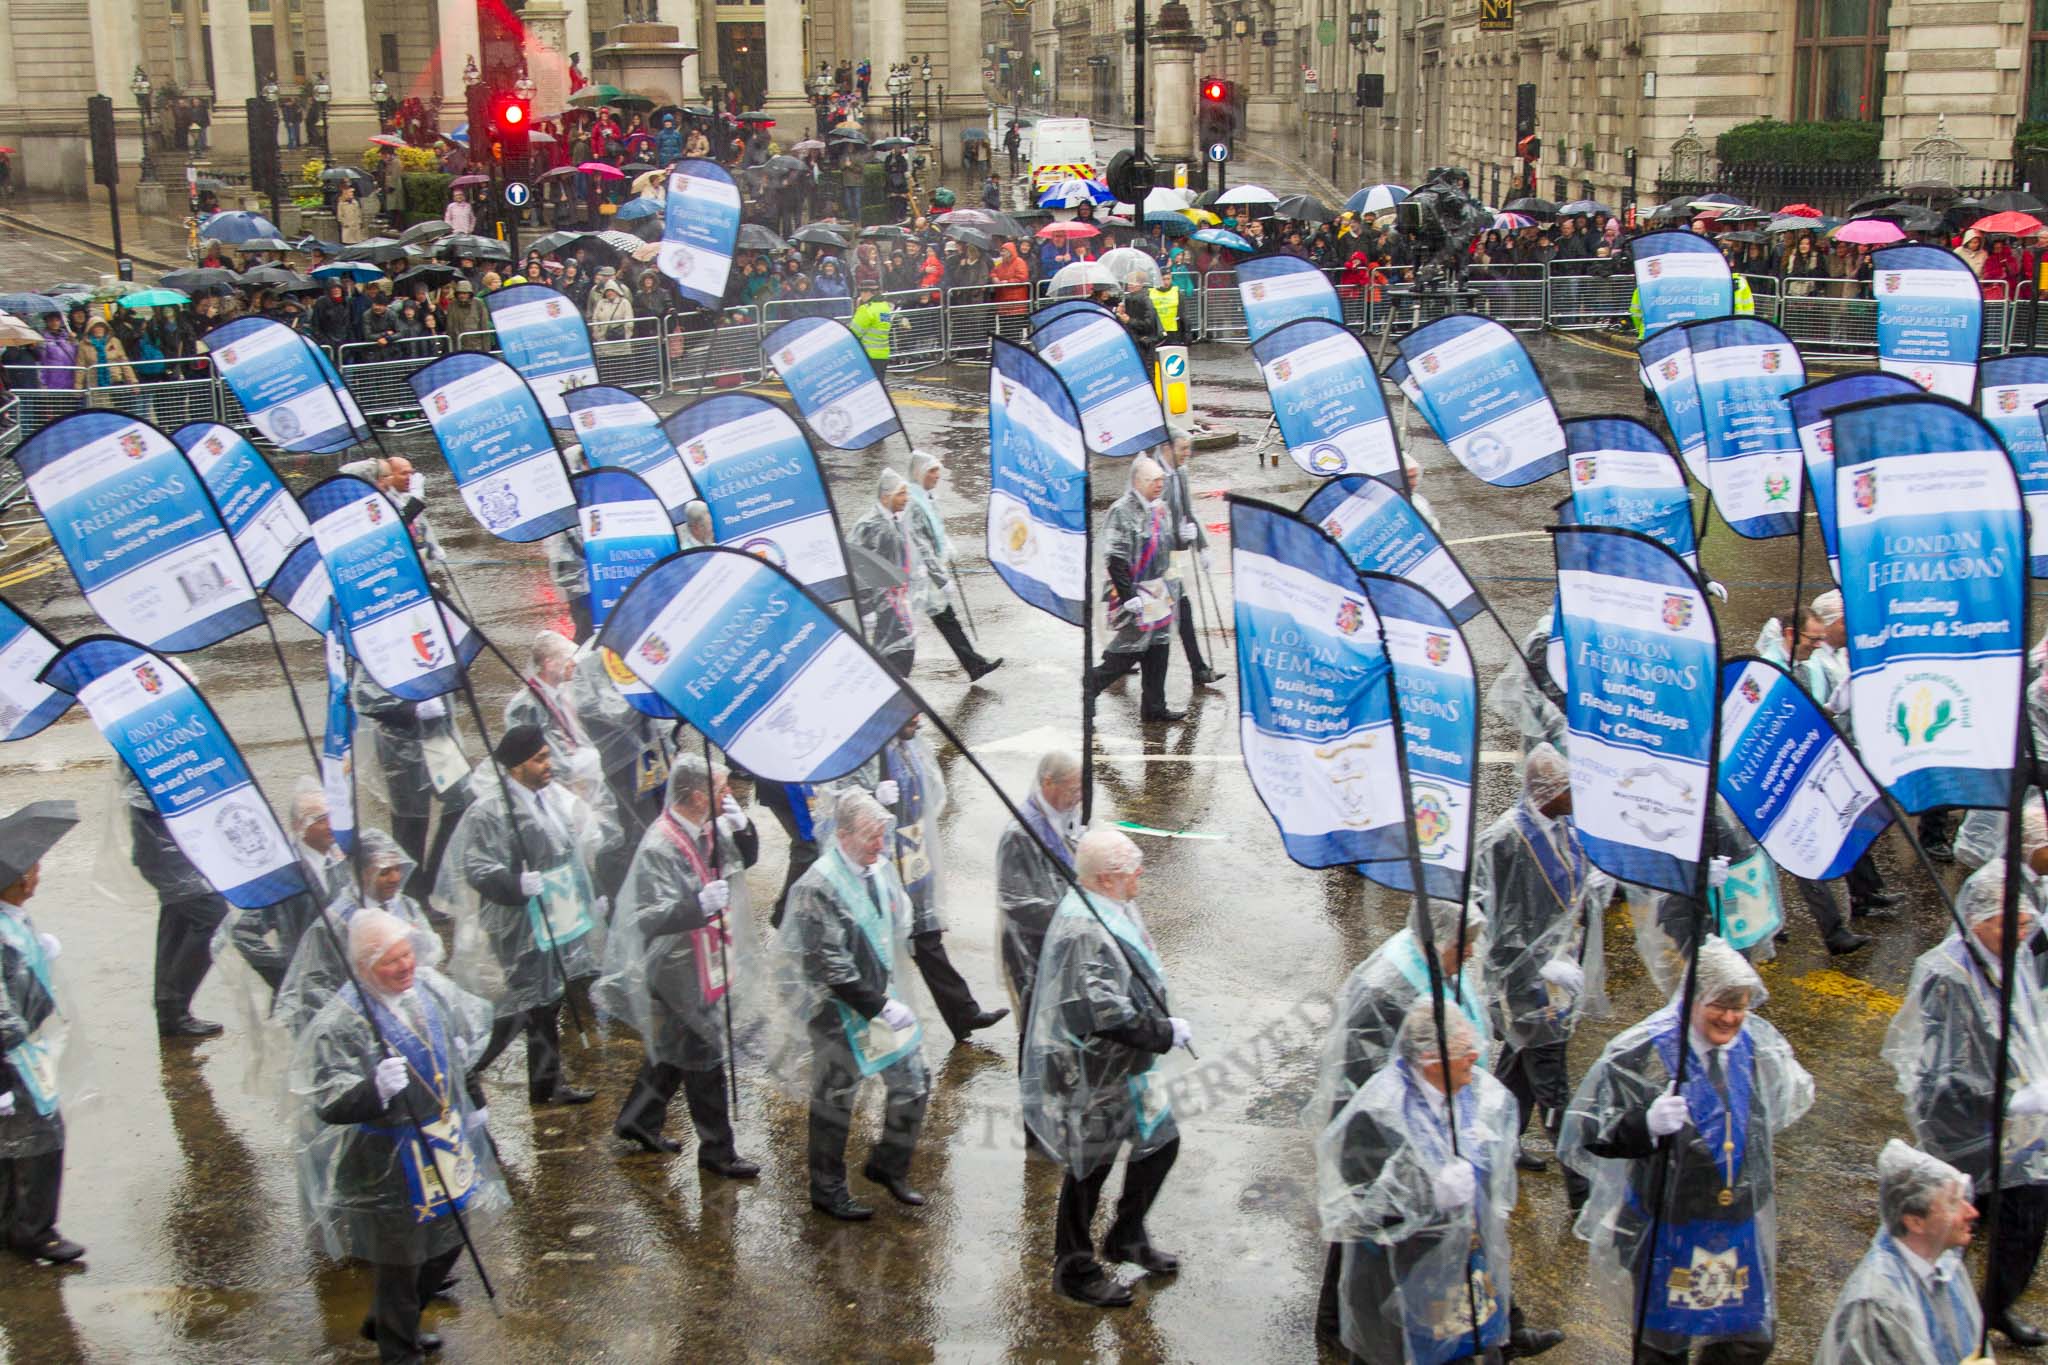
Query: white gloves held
column 1717, row 873
column 433, row 708
column 1208, row 559
column 52, row 949
column 714, row 896
column 897, row 1016
column 1183, row 1032
column 2029, row 1099
column 1456, row 1185
column 1564, row 974
column 390, row 1078
column 1717, row 591
column 6, row 1102
column 530, row 884
column 1187, row 532
column 1668, row 1114
column 731, row 818
column 887, row 792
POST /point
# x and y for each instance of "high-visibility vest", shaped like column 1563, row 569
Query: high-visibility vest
column 1166, row 303
column 1745, row 301
column 871, row 324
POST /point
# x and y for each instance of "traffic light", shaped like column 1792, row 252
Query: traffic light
column 1216, row 116
column 99, row 122
column 511, row 125
column 1529, row 148
column 1525, row 109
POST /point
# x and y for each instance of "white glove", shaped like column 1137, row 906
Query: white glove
column 1455, row 1185
column 433, row 708
column 603, row 906
column 1564, row 974
column 2029, row 1099
column 731, row 818
column 887, row 792
column 1716, row 591
column 1839, row 702
column 1208, row 559
column 390, row 1078
column 478, row 1117
column 417, row 485
column 897, row 1016
column 52, row 949
column 1668, row 1114
column 1187, row 532
column 715, row 896
column 7, row 1102
column 436, row 553
column 1717, row 873
column 1183, row 1032
column 530, row 884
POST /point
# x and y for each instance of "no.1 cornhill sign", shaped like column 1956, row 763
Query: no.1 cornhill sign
column 1496, row 16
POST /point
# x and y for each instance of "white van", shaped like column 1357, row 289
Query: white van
column 1062, row 149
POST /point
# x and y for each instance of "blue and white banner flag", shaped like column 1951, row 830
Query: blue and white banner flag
column 338, row 743
column 1641, row 658
column 756, row 472
column 832, row 382
column 389, row 615
column 1381, row 532
column 1930, row 318
column 751, row 660
column 1437, row 695
column 1097, row 360
column 302, row 587
column 626, row 532
column 619, row 429
column 638, row 695
column 1665, row 363
column 2012, row 389
column 27, row 704
column 1811, row 404
column 1622, row 474
column 1053, row 312
column 265, row 520
column 489, row 425
column 286, row 386
column 544, row 337
column 1280, row 288
column 1934, row 584
column 1743, row 368
column 1315, row 696
column 1327, row 400
column 188, row 765
column 1483, row 397
column 699, row 226
column 1680, row 277
column 142, row 537
column 1037, row 484
column 1793, row 781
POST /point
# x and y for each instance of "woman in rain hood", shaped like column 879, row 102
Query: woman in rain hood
column 1140, row 605
column 882, row 587
column 316, row 973
column 102, row 359
column 935, row 556
column 1909, row 1301
column 1708, row 1149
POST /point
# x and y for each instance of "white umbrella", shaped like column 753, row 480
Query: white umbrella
column 14, row 331
column 1075, row 280
column 1126, row 259
column 1247, row 194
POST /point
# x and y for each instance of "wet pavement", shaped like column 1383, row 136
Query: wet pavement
column 179, row 1176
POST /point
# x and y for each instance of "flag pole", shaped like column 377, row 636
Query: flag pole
column 1087, row 640
column 732, row 1067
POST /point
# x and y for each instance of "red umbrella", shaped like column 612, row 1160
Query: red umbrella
column 1799, row 211
column 1071, row 228
column 386, row 140
column 2011, row 223
column 603, row 170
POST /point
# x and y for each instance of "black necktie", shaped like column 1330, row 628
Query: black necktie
column 1717, row 1074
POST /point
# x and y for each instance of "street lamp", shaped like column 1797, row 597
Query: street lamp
column 524, row 86
column 322, row 93
column 141, row 86
column 926, row 72
column 470, row 75
column 1241, row 26
column 1372, row 29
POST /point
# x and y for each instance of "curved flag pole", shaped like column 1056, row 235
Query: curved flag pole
column 952, row 561
column 732, row 1069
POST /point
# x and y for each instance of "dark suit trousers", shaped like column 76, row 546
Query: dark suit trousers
column 950, row 991
column 2016, row 1250
column 395, row 1305
column 1073, row 1247
column 184, row 951
column 543, row 1027
column 647, row 1107
column 29, row 1188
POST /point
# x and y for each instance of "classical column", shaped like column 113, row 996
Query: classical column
column 683, row 14
column 885, row 40
column 786, row 100
column 234, row 76
column 455, row 23
column 575, row 31
column 351, row 117
column 10, row 88
column 194, row 34
column 1170, row 91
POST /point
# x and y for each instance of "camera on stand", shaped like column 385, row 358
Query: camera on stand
column 1443, row 220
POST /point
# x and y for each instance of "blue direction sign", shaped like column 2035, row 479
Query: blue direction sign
column 517, row 193
column 1219, row 151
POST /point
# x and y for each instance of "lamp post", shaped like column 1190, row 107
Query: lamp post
column 322, row 93
column 380, row 95
column 925, row 130
column 141, row 87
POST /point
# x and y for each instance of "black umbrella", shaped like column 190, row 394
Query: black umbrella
column 476, row 248
column 29, row 833
column 1743, row 215
column 272, row 277
column 886, row 232
column 847, row 135
column 421, row 232
column 970, row 236
column 637, row 167
column 433, row 272
column 1862, row 207
column 1928, row 189
column 784, row 164
column 754, row 116
column 1922, row 220
column 1305, row 207
column 311, row 243
column 205, row 280
column 1675, row 211
column 1747, row 238
column 555, row 241
column 754, row 237
column 891, row 143
column 2012, row 201
column 1535, row 208
column 336, row 174
column 263, row 244
column 377, row 251
column 819, row 234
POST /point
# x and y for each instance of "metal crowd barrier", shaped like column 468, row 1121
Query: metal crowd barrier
column 1590, row 301
column 630, row 360
column 377, row 376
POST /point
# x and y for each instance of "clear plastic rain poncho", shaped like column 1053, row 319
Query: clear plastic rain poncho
column 1887, row 1315
column 1137, row 538
column 140, row 846
column 328, row 867
column 1377, row 995
column 928, row 534
column 1980, row 839
column 316, row 970
column 1717, row 1234
column 668, row 965
column 1514, row 697
column 548, row 705
column 920, row 800
column 44, row 1056
column 1544, row 903
column 1664, row 920
column 1416, row 1264
column 1943, row 1045
column 1097, row 1031
column 1029, row 887
column 518, row 952
column 419, row 759
column 886, row 535
column 633, row 749
column 368, row 1185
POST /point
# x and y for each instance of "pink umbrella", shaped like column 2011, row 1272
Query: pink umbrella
column 602, row 170
column 386, row 140
column 1069, row 229
column 463, row 182
column 1869, row 232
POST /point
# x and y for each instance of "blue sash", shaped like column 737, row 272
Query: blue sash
column 1707, row 1275
column 875, row 1045
column 1949, row 1348
column 1565, row 882
column 913, row 859
column 446, row 1151
column 34, row 1066
column 1436, row 1308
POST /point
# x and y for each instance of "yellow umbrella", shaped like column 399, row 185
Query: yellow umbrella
column 1202, row 218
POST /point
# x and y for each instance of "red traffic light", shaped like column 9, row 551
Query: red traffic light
column 514, row 114
column 1214, row 90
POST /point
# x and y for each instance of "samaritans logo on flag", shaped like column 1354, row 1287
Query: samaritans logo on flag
column 1279, row 289
column 544, row 338
column 1934, row 581
column 1326, row 399
column 1811, row 405
column 1476, row 386
column 1038, row 484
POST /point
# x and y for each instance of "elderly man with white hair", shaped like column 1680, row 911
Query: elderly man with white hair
column 1029, row 886
column 882, row 589
column 1098, row 1026
column 1909, row 1300
column 845, row 941
column 935, row 555
column 382, row 1056
column 1699, row 1158
column 545, row 701
column 1137, row 542
column 697, row 531
column 1943, row 1043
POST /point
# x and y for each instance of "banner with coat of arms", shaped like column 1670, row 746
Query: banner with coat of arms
column 1473, row 381
column 1743, row 368
column 2012, row 388
column 1099, row 363
column 1680, row 277
column 544, row 337
column 1934, row 581
column 1813, row 423
column 1279, row 288
column 1930, row 318
column 1327, row 399
column 618, row 429
column 1665, row 363
column 626, row 531
column 489, row 426
column 286, row 387
column 1622, row 474
column 832, row 382
column 700, row 225
column 1037, row 484
column 391, row 620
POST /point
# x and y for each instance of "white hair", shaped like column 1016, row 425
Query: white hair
column 1908, row 1182
column 1443, row 918
column 1828, row 606
column 1417, row 1042
column 309, row 807
column 688, row 775
column 372, row 934
column 550, row 644
column 1105, row 853
column 856, row 812
column 1545, row 774
column 1056, row 765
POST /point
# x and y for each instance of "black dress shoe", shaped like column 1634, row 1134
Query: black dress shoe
column 2018, row 1331
column 1142, row 1254
column 1097, row 1291
column 843, row 1207
column 1847, row 941
column 563, row 1094
column 981, row 1021
column 1871, row 910
column 1884, row 900
column 56, row 1248
column 649, row 1142
column 983, row 669
column 1208, row 677
column 1531, row 1341
column 731, row 1167
column 1526, row 1160
column 1942, row 852
column 1169, row 714
column 428, row 1341
column 188, row 1026
column 894, row 1184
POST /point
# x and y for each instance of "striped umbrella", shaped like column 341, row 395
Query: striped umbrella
column 1375, row 198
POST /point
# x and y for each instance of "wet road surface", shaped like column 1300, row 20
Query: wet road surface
column 179, row 1176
